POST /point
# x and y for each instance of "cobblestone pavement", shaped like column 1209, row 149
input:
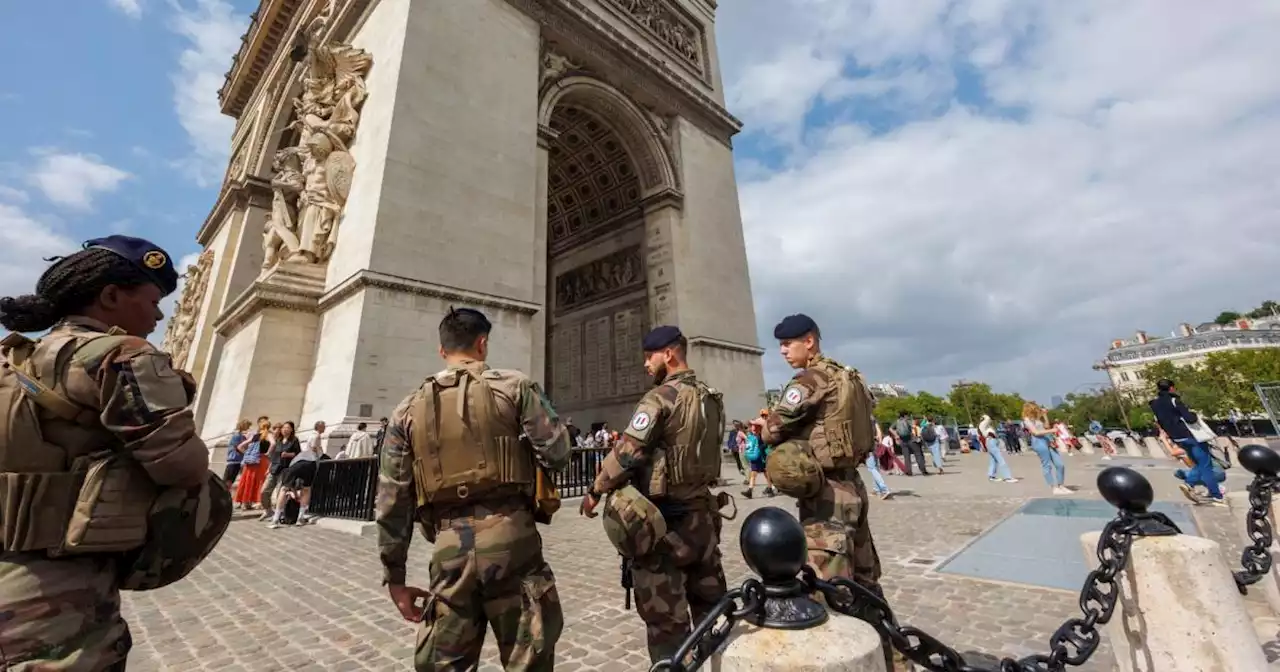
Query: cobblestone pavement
column 310, row 599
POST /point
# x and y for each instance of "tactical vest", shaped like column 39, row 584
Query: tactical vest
column 693, row 457
column 461, row 450
column 65, row 486
column 845, row 432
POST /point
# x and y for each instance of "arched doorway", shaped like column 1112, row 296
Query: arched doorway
column 597, row 299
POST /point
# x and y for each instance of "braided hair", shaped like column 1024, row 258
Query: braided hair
column 69, row 286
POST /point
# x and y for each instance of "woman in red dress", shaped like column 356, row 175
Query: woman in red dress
column 254, row 472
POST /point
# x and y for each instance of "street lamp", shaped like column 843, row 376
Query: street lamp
column 1106, row 367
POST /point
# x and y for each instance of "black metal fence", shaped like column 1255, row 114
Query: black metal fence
column 584, row 463
column 345, row 488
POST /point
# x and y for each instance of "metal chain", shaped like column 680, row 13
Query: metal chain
column 1072, row 644
column 1256, row 558
column 712, row 632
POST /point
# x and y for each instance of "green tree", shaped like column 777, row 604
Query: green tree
column 1227, row 317
column 973, row 400
column 1267, row 309
column 1223, row 381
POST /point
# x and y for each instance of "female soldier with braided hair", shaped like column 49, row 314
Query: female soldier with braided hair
column 90, row 408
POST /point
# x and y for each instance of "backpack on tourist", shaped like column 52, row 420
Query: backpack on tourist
column 929, row 434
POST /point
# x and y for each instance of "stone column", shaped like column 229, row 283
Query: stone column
column 1131, row 446
column 1086, row 445
column 1179, row 610
column 842, row 643
column 1155, row 447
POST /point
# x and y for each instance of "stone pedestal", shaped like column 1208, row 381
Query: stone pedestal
column 1155, row 447
column 1131, row 447
column 842, row 644
column 1026, row 445
column 1086, row 445
column 1179, row 610
column 1269, row 585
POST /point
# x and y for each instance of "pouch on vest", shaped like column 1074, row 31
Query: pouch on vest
column 460, row 451
column 695, row 458
column 847, row 426
column 98, row 503
column 546, row 498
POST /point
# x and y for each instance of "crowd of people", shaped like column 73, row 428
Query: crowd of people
column 270, row 467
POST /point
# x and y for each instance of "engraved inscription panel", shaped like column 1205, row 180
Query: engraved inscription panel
column 616, row 274
column 596, row 357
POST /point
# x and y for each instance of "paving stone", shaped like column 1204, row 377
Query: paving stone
column 311, row 599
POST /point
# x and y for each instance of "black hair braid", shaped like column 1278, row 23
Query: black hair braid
column 67, row 287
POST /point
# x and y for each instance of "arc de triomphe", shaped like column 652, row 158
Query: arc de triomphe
column 563, row 165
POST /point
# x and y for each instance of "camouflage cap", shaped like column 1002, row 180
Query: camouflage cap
column 793, row 469
column 183, row 527
column 632, row 522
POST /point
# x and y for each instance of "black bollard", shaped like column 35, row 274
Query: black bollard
column 1259, row 460
column 774, row 546
column 1131, row 492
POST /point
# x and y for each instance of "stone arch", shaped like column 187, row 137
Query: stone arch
column 638, row 133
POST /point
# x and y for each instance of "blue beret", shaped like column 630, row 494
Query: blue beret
column 794, row 326
column 660, row 338
column 146, row 255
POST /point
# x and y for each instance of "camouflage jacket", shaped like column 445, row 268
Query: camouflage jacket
column 520, row 401
column 650, row 428
column 139, row 398
column 802, row 403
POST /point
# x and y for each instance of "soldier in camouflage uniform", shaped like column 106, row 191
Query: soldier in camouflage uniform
column 94, row 382
column 670, row 452
column 460, row 457
column 824, row 418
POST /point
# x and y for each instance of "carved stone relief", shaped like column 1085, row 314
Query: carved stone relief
column 182, row 325
column 313, row 178
column 553, row 66
column 613, row 275
column 666, row 23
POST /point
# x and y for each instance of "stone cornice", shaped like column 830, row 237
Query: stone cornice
column 720, row 344
column 234, row 195
column 280, row 289
column 374, row 280
column 627, row 59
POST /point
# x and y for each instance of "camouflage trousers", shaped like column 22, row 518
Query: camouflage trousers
column 840, row 542
column 671, row 597
column 488, row 570
column 60, row 615
column 835, row 525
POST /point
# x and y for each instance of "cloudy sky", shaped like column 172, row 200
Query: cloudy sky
column 988, row 190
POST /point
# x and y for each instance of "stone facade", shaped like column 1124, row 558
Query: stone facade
column 563, row 165
column 1187, row 346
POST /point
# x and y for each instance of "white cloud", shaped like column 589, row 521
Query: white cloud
column 1006, row 186
column 24, row 243
column 130, row 8
column 212, row 30
column 74, row 180
column 13, row 195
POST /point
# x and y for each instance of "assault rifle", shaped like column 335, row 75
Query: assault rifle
column 627, row 583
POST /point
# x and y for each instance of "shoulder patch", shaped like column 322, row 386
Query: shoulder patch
column 793, row 395
column 641, row 421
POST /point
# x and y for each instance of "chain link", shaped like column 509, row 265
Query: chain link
column 1072, row 644
column 1256, row 558
column 712, row 632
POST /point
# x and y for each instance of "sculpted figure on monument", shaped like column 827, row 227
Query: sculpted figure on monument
column 281, row 229
column 313, row 179
column 181, row 330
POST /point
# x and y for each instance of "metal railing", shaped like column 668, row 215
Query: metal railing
column 345, row 488
column 584, row 464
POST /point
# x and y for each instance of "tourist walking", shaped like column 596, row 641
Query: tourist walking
column 757, row 454
column 878, row 486
column 1174, row 419
column 929, row 435
column 997, row 467
column 905, row 431
column 1035, row 421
